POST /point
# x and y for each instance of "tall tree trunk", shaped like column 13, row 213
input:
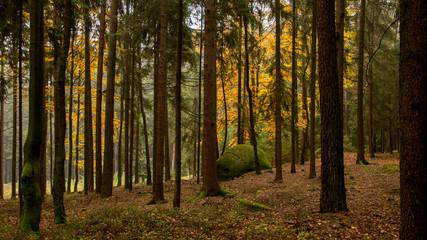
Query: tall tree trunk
column 161, row 101
column 2, row 92
column 251, row 111
column 70, row 116
column 294, row 90
column 120, row 144
column 107, row 179
column 76, row 166
column 21, row 199
column 413, row 119
column 88, row 143
column 278, row 97
column 360, row 133
column 225, row 101
column 14, row 125
column 147, row 146
column 51, row 151
column 43, row 146
column 304, row 145
column 239, row 86
column 167, row 153
column 340, row 18
column 137, row 150
column 371, row 112
column 199, row 131
column 332, row 193
column 132, row 120
column 210, row 177
column 177, row 195
column 101, row 44
column 30, row 217
column 60, row 121
column 313, row 91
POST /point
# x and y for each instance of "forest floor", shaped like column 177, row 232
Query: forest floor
column 372, row 198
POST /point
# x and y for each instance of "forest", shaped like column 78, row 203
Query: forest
column 213, row 119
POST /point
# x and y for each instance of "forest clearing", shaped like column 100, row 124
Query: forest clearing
column 372, row 197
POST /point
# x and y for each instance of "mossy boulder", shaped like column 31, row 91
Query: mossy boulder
column 239, row 160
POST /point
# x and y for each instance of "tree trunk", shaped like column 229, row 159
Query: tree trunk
column 340, row 22
column 360, row 133
column 120, row 144
column 278, row 97
column 43, row 146
column 2, row 92
column 371, row 113
column 239, row 87
column 132, row 120
column 21, row 199
column 294, row 114
column 332, row 194
column 313, row 92
column 304, row 145
column 30, row 218
column 60, row 121
column 210, row 176
column 70, row 116
column 88, row 143
column 413, row 119
column 225, row 102
column 137, row 151
column 177, row 195
column 199, row 131
column 167, row 153
column 14, row 125
column 101, row 44
column 76, row 167
column 107, row 180
column 161, row 100
column 251, row 111
column 147, row 146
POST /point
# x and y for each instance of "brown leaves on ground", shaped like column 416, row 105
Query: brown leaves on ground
column 372, row 197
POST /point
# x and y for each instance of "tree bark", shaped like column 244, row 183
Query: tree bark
column 413, row 119
column 340, row 21
column 101, row 44
column 107, row 180
column 147, row 146
column 60, row 116
column 239, row 86
column 2, row 92
column 70, row 116
column 294, row 114
column 88, row 139
column 313, row 92
column 332, row 194
column 251, row 111
column 161, row 100
column 278, row 97
column 76, row 167
column 199, row 131
column 359, row 129
column 177, row 195
column 30, row 218
column 210, row 177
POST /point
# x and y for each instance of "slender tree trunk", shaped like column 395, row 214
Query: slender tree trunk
column 30, row 218
column 177, row 196
column 14, row 134
column 51, row 151
column 119, row 151
column 137, row 151
column 278, row 97
column 371, row 113
column 199, row 131
column 98, row 141
column 107, row 180
column 70, row 116
column 360, row 133
column 304, row 145
column 225, row 102
column 88, row 143
column 332, row 193
column 60, row 116
column 167, row 153
column 294, row 90
column 239, row 86
column 313, row 91
column 251, row 111
column 2, row 92
column 147, row 146
column 413, row 119
column 132, row 121
column 21, row 199
column 76, row 167
column 43, row 146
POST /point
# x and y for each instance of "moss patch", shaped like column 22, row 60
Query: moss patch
column 239, row 160
column 247, row 204
column 390, row 168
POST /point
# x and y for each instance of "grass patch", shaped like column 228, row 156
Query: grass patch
column 390, row 168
